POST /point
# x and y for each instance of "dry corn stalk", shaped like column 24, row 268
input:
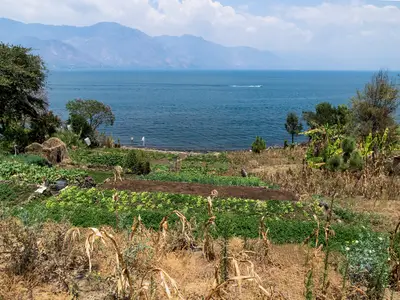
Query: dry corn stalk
column 220, row 287
column 89, row 244
column 124, row 278
column 71, row 237
column 208, row 245
column 266, row 244
column 186, row 231
column 167, row 282
column 137, row 227
column 124, row 281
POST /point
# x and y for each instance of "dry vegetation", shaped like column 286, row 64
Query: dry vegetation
column 286, row 168
column 60, row 262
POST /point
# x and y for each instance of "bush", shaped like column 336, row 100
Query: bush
column 367, row 259
column 80, row 126
column 348, row 146
column 285, row 144
column 17, row 135
column 334, row 163
column 33, row 160
column 43, row 127
column 258, row 145
column 356, row 162
column 69, row 138
column 136, row 163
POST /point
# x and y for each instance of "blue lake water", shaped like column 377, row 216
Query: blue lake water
column 203, row 110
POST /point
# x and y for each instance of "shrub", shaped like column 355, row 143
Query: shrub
column 33, row 160
column 258, row 145
column 285, row 144
column 136, row 163
column 367, row 258
column 43, row 127
column 356, row 161
column 334, row 163
column 348, row 146
column 69, row 138
column 80, row 126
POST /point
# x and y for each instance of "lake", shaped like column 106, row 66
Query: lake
column 203, row 110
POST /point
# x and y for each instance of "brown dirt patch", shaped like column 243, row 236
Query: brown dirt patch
column 245, row 192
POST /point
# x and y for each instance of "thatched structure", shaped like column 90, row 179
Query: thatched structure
column 54, row 150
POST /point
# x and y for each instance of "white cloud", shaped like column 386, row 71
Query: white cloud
column 338, row 30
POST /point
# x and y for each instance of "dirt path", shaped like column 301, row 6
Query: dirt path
column 257, row 193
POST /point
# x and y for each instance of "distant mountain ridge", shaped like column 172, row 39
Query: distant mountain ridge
column 113, row 46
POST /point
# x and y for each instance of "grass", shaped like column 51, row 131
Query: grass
column 99, row 176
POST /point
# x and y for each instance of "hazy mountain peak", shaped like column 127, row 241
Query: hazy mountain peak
column 112, row 45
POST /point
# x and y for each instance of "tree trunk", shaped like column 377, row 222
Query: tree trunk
column 292, row 138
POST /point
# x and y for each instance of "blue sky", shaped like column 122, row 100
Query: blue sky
column 355, row 34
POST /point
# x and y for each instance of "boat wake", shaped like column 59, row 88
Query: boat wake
column 246, row 86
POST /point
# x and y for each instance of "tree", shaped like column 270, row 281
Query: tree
column 44, row 126
column 326, row 114
column 95, row 112
column 374, row 108
column 293, row 125
column 22, row 83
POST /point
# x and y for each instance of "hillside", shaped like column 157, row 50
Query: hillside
column 111, row 45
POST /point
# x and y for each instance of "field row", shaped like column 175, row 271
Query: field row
column 288, row 222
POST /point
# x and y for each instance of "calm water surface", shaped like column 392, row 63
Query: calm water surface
column 203, row 110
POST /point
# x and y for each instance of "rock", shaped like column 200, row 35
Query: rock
column 59, row 185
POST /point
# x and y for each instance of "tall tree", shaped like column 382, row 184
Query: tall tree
column 374, row 108
column 95, row 112
column 293, row 125
column 22, row 83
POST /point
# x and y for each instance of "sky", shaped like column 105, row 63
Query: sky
column 359, row 34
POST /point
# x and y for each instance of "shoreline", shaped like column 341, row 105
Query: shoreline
column 193, row 152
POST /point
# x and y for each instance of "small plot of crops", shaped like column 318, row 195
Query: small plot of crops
column 112, row 157
column 33, row 173
column 206, row 179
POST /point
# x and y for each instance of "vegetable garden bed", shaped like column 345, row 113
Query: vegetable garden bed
column 245, row 192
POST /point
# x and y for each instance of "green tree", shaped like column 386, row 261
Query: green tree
column 327, row 114
column 374, row 108
column 95, row 112
column 293, row 125
column 22, row 83
column 43, row 126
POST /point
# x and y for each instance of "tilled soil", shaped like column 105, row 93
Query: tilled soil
column 245, row 192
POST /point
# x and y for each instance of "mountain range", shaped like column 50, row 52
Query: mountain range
column 113, row 46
